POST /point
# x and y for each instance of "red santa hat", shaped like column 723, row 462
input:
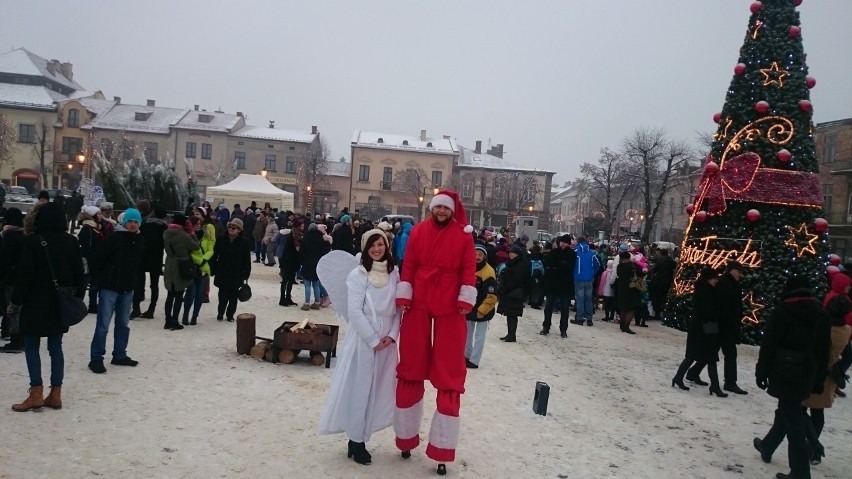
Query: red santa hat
column 450, row 199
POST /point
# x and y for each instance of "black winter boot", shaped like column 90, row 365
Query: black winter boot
column 681, row 372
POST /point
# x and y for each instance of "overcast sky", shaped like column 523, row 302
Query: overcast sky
column 554, row 81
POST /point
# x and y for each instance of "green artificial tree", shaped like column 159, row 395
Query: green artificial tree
column 759, row 200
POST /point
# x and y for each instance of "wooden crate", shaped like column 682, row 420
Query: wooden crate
column 324, row 341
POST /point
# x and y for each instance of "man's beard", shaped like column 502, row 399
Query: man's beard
column 441, row 223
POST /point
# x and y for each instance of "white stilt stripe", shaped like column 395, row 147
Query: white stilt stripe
column 444, row 432
column 406, row 421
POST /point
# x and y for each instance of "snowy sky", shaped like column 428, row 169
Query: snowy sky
column 552, row 80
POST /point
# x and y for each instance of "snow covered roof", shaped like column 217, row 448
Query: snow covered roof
column 276, row 134
column 371, row 139
column 98, row 107
column 123, row 117
column 471, row 159
column 29, row 96
column 215, row 121
column 21, row 62
column 338, row 168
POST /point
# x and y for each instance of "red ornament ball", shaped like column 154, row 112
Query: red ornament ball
column 797, row 2
column 711, row 167
column 834, row 259
column 740, row 68
column 701, row 216
column 821, row 225
column 832, row 270
column 784, row 155
column 717, row 117
column 690, row 209
column 806, row 105
column 755, row 7
column 753, row 215
column 762, row 106
column 795, row 31
column 810, row 81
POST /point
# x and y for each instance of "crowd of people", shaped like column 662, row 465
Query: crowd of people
column 434, row 287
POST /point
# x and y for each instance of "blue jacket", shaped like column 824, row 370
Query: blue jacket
column 587, row 265
column 402, row 241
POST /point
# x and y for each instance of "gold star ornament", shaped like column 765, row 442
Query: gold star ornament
column 774, row 75
column 754, row 308
column 801, row 240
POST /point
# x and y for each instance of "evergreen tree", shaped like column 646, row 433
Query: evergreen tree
column 759, row 201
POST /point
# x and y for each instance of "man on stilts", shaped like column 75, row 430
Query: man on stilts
column 437, row 289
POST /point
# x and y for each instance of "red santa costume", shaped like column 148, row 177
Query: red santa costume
column 438, row 282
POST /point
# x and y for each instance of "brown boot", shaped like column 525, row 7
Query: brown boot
column 54, row 399
column 34, row 401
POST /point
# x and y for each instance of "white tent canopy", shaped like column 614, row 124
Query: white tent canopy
column 247, row 188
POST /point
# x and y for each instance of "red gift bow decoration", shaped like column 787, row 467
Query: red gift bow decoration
column 741, row 178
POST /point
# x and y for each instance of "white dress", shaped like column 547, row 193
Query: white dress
column 361, row 398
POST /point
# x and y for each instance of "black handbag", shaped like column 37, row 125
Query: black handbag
column 187, row 269
column 244, row 293
column 710, row 328
column 72, row 309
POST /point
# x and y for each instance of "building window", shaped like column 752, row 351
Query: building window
column 206, row 151
column 387, row 178
column 73, row 118
column 830, row 148
column 437, row 176
column 292, row 148
column 26, row 133
column 127, row 149
column 404, row 142
column 291, row 164
column 381, row 140
column 190, row 149
column 827, row 191
column 151, row 152
column 467, row 189
column 364, row 173
column 270, row 163
column 239, row 160
column 107, row 147
column 72, row 145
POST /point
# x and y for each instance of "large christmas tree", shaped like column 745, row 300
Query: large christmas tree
column 759, row 200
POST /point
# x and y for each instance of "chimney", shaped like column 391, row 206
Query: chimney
column 422, row 135
column 117, row 99
column 271, row 123
column 240, row 114
column 196, row 107
column 68, row 71
column 151, row 103
column 51, row 66
column 496, row 150
column 478, row 146
column 314, row 130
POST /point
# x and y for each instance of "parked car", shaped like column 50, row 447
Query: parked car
column 543, row 236
column 19, row 194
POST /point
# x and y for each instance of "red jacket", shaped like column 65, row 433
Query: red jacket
column 839, row 283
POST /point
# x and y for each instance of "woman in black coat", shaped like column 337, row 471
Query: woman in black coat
column 36, row 301
column 793, row 363
column 558, row 283
column 514, row 284
column 290, row 262
column 313, row 248
column 702, row 338
column 626, row 298
column 231, row 265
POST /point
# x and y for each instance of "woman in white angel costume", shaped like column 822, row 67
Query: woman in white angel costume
column 361, row 397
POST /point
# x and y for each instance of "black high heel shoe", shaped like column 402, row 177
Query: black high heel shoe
column 358, row 452
column 717, row 391
column 442, row 470
column 679, row 383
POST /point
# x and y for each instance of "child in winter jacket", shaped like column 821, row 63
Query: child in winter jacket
column 607, row 292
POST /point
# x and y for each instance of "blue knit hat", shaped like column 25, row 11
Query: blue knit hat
column 345, row 218
column 131, row 214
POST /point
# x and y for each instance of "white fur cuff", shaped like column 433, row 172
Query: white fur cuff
column 467, row 294
column 444, row 432
column 404, row 290
column 406, row 421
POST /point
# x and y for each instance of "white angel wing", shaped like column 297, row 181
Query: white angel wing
column 332, row 270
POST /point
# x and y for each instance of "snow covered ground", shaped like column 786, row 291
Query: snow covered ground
column 194, row 409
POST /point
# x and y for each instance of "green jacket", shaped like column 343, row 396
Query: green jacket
column 202, row 255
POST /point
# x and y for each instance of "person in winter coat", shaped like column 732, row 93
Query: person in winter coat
column 35, row 300
column 290, row 262
column 401, row 242
column 730, row 297
column 257, row 236
column 627, row 299
column 839, row 308
column 483, row 310
column 268, row 243
column 249, row 222
column 314, row 247
column 152, row 230
column 558, row 284
column 585, row 270
column 179, row 243
column 607, row 292
column 72, row 210
column 702, row 339
column 344, row 236
column 536, row 261
column 514, row 285
column 90, row 237
column 118, row 258
column 793, row 363
column 10, row 254
column 361, row 396
column 662, row 275
column 194, row 296
column 231, row 268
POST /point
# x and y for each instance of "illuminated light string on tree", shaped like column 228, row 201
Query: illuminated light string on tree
column 759, row 200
